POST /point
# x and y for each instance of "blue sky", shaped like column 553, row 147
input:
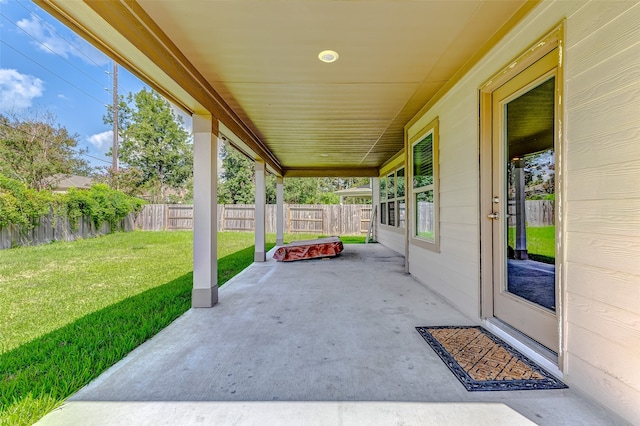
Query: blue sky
column 44, row 66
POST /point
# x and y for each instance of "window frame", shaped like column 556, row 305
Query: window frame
column 430, row 244
column 383, row 199
column 400, row 198
column 387, row 201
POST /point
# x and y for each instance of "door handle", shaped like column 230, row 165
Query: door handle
column 494, row 216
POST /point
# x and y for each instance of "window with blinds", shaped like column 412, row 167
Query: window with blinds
column 424, row 168
column 423, row 162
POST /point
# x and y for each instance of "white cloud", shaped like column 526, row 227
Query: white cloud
column 49, row 41
column 102, row 141
column 17, row 90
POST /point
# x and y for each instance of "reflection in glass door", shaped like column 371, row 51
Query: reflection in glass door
column 530, row 195
column 523, row 171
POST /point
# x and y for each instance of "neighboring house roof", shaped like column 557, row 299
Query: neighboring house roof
column 62, row 183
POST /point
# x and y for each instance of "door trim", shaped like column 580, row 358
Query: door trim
column 553, row 39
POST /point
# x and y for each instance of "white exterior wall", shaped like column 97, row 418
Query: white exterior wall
column 392, row 238
column 601, row 202
column 454, row 271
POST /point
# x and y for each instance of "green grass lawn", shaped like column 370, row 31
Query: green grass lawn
column 70, row 310
column 428, row 235
column 540, row 242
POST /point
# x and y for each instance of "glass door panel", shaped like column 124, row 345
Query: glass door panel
column 524, row 138
column 530, row 195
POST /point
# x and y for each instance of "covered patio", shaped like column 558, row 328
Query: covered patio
column 323, row 342
column 411, row 94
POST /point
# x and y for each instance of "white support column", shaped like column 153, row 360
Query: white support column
column 205, row 211
column 279, row 211
column 260, row 203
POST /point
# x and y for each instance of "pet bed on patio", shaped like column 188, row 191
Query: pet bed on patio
column 309, row 249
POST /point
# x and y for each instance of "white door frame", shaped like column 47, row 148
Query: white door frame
column 553, row 39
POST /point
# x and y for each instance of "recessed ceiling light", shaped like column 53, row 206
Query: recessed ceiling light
column 328, row 56
column 324, row 155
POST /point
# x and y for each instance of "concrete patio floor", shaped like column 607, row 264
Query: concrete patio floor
column 310, row 342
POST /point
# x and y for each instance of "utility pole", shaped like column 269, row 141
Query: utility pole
column 114, row 150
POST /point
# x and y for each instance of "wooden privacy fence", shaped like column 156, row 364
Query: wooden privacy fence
column 179, row 217
column 237, row 217
column 305, row 219
column 349, row 219
column 53, row 228
column 537, row 212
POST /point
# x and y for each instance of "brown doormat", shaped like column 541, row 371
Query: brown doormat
column 484, row 362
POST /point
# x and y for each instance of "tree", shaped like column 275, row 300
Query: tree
column 34, row 148
column 153, row 141
column 317, row 190
column 128, row 180
column 237, row 183
column 311, row 190
column 302, row 190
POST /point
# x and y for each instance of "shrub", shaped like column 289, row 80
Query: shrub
column 102, row 204
column 20, row 205
column 78, row 204
column 24, row 207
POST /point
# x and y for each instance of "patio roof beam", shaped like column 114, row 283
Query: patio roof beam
column 332, row 172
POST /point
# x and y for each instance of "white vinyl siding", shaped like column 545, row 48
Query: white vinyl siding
column 601, row 193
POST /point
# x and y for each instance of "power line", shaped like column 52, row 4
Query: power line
column 101, row 84
column 91, row 156
column 69, row 42
column 55, row 74
column 123, row 90
column 42, row 140
column 53, row 30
